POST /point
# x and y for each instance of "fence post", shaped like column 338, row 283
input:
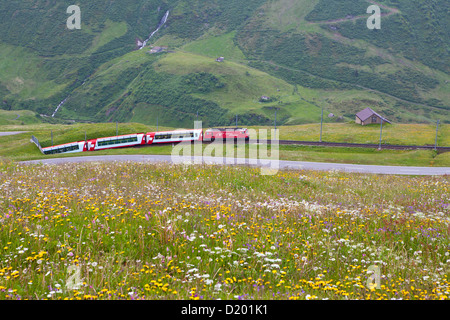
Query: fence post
column 321, row 125
column 381, row 132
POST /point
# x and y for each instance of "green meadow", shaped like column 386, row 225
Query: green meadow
column 119, row 231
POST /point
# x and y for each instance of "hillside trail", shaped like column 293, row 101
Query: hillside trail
column 353, row 18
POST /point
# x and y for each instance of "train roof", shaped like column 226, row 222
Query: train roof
column 187, row 130
column 225, row 129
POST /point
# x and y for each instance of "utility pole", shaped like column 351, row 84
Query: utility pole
column 157, row 123
column 85, row 136
column 197, row 115
column 381, row 132
column 52, row 137
column 435, row 141
column 117, row 128
column 275, row 119
column 236, row 120
column 321, row 125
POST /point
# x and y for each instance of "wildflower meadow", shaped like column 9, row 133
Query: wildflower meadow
column 184, row 232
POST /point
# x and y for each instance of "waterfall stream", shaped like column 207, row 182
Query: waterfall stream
column 161, row 23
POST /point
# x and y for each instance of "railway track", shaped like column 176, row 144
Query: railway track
column 337, row 144
column 360, row 145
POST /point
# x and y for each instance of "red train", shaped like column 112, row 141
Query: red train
column 131, row 140
column 226, row 134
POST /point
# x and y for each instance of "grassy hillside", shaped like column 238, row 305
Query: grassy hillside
column 304, row 55
column 20, row 117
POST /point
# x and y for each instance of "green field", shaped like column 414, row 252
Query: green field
column 217, row 46
column 396, row 134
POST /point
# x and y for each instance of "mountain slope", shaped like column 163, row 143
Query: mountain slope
column 304, row 55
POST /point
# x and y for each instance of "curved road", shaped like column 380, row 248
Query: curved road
column 11, row 133
column 281, row 164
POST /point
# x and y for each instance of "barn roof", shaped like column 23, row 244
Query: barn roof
column 367, row 113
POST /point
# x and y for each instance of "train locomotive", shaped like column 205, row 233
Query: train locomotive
column 142, row 139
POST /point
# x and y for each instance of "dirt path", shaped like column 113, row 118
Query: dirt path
column 353, row 18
